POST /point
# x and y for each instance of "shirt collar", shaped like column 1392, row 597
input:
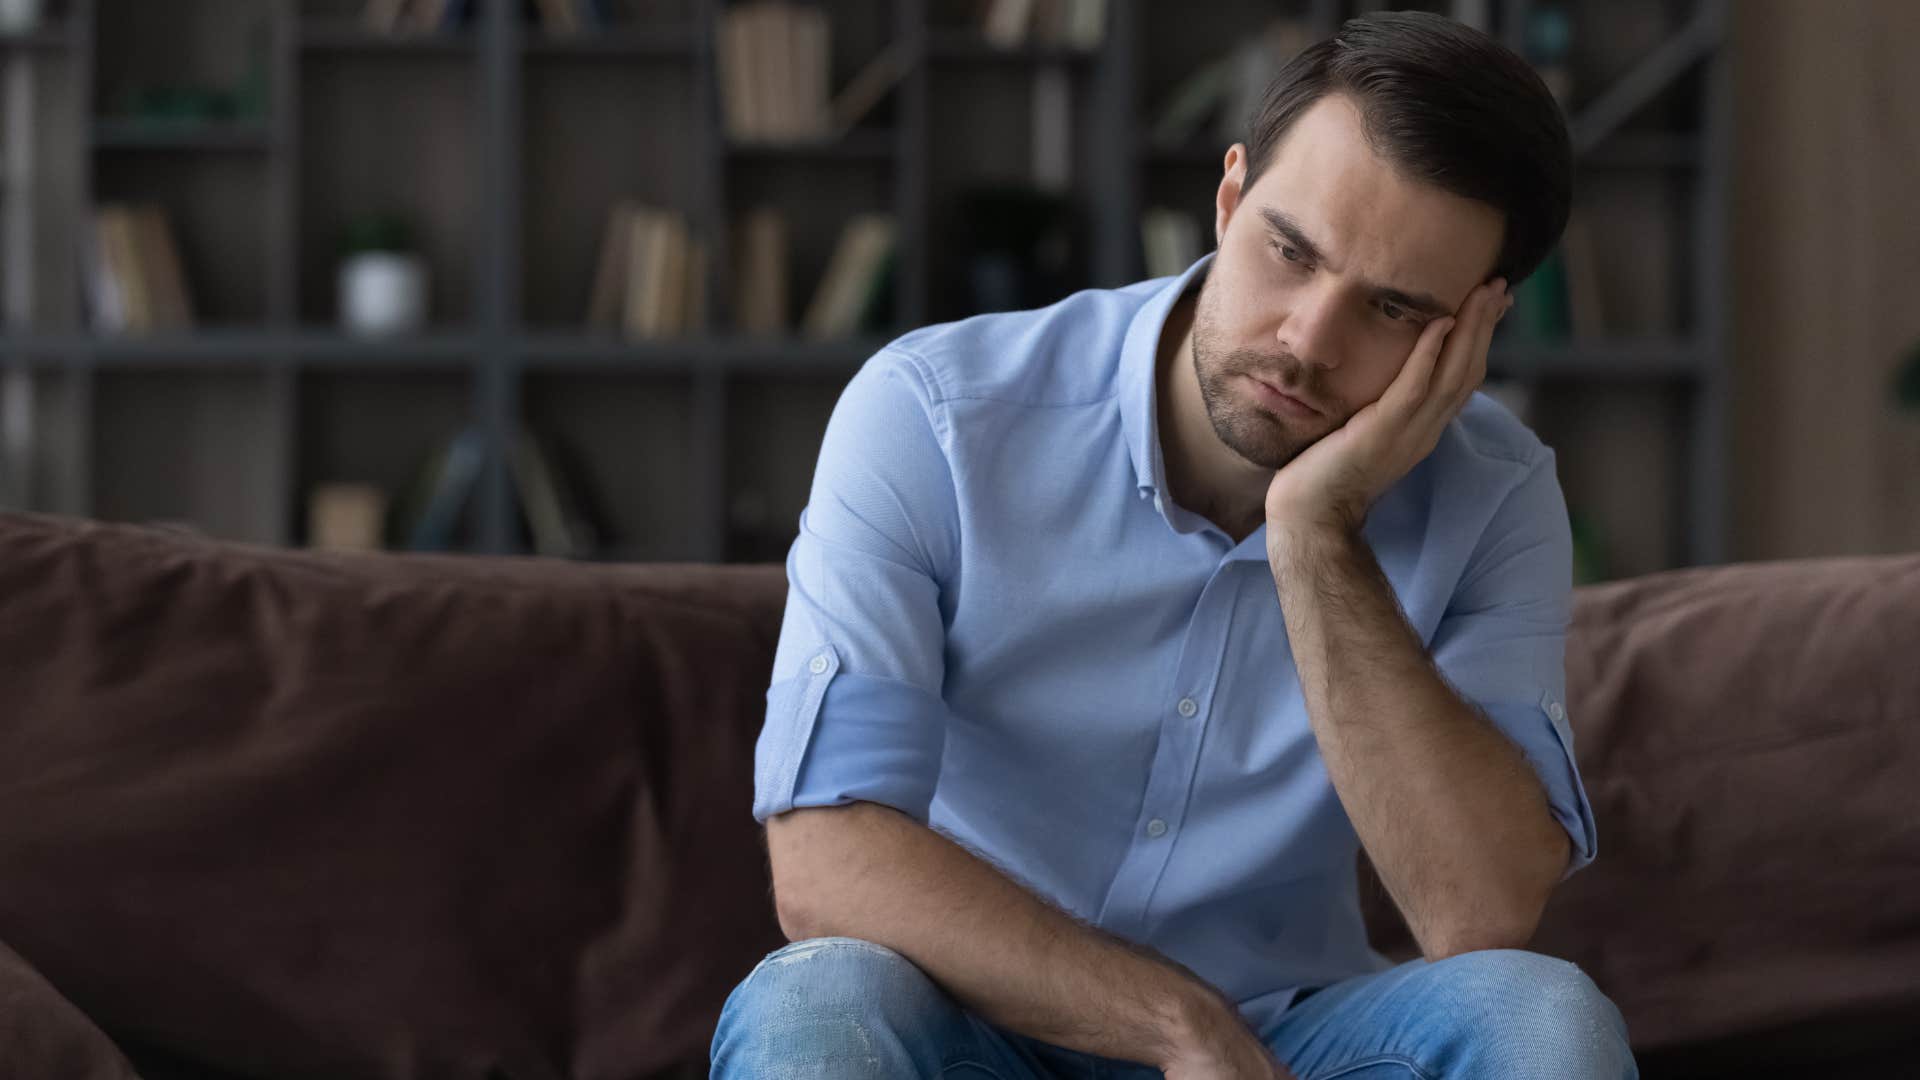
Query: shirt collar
column 1138, row 377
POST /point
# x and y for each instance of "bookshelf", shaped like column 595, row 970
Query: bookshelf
column 505, row 146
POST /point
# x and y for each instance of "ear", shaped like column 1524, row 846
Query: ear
column 1227, row 199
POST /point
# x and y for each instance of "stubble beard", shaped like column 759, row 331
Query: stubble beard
column 1238, row 420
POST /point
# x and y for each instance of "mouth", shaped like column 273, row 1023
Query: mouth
column 1281, row 401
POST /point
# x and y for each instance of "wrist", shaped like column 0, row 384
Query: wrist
column 1196, row 1022
column 1300, row 538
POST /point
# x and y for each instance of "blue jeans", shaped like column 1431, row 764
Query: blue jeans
column 845, row 1009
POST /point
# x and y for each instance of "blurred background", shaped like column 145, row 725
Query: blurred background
column 584, row 278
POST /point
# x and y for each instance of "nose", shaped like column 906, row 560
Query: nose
column 1310, row 330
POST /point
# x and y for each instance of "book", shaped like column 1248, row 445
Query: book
column 812, row 60
column 646, row 255
column 693, row 314
column 1007, row 21
column 161, row 269
column 538, row 492
column 868, row 88
column 669, row 292
column 123, row 263
column 760, row 272
column 610, row 274
column 737, row 80
column 105, row 295
column 453, row 484
column 773, row 62
column 844, row 289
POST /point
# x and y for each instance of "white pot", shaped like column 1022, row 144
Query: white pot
column 20, row 16
column 383, row 292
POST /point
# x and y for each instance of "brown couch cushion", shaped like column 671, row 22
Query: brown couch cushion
column 1750, row 739
column 42, row 1034
column 292, row 814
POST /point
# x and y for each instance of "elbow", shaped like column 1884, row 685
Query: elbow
column 1514, row 930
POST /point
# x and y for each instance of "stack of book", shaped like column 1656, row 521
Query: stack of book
column 135, row 279
column 774, row 59
column 852, row 294
column 1076, row 24
column 652, row 276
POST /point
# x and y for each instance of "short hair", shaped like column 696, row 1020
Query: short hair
column 1447, row 105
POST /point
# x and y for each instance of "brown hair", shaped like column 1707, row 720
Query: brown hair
column 1448, row 106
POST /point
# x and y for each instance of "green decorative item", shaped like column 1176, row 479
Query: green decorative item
column 1906, row 382
column 1589, row 556
column 1540, row 302
column 376, row 232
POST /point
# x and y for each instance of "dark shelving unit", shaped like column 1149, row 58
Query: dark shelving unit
column 506, row 146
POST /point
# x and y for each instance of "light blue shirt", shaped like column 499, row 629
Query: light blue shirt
column 1000, row 623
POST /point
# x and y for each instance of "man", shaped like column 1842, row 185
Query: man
column 1117, row 626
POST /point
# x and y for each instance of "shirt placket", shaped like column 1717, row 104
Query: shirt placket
column 1183, row 710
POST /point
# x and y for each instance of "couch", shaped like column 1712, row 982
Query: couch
column 278, row 813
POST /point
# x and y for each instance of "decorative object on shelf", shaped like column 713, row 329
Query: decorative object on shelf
column 651, row 280
column 21, row 16
column 346, row 517
column 134, row 277
column 856, row 282
column 382, row 281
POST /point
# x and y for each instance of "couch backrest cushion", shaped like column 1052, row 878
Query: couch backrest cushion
column 1749, row 736
column 305, row 814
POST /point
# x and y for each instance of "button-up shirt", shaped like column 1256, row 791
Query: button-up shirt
column 1000, row 623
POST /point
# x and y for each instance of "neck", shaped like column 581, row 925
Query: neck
column 1202, row 474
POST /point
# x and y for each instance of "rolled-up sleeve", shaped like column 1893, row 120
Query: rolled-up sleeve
column 1502, row 642
column 855, row 710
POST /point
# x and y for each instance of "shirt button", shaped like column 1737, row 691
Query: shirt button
column 1156, row 828
column 1187, row 707
column 819, row 665
column 1554, row 710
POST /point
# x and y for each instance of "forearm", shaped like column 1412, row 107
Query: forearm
column 870, row 872
column 1450, row 813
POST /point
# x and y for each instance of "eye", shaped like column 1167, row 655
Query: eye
column 1391, row 310
column 1287, row 252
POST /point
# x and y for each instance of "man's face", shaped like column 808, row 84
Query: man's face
column 1327, row 269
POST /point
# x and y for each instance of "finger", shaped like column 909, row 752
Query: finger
column 1409, row 388
column 1465, row 346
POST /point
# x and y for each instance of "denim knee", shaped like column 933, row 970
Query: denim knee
column 1527, row 1014
column 834, row 1007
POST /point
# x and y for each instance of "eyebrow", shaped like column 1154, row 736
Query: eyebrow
column 1286, row 228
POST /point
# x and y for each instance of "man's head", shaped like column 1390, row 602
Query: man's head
column 1390, row 170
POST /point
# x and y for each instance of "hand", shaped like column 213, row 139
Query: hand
column 1333, row 482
